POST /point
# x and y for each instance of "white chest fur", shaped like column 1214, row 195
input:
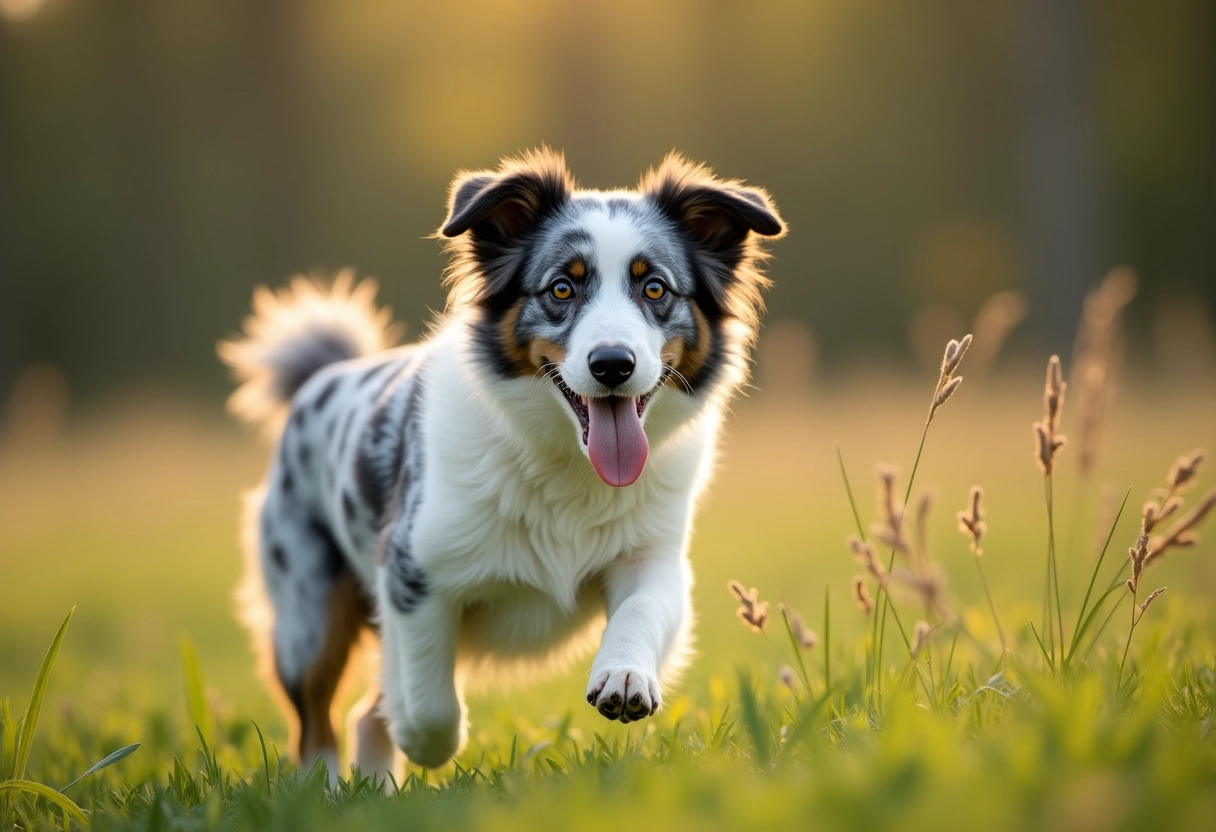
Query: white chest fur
column 509, row 499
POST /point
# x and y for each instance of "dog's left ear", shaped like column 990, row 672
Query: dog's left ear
column 718, row 215
column 722, row 220
column 500, row 206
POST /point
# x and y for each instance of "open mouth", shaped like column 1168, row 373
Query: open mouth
column 612, row 432
column 579, row 404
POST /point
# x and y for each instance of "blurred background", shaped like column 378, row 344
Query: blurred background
column 943, row 168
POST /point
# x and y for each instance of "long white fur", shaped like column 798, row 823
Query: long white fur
column 526, row 552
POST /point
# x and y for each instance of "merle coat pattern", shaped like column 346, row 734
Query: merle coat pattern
column 518, row 485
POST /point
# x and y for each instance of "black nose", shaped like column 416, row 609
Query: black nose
column 611, row 366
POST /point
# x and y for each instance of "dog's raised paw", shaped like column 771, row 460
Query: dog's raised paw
column 627, row 694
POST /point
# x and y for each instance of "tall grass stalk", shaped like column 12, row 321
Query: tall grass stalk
column 947, row 384
column 979, row 568
column 861, row 533
column 1052, row 590
column 827, row 638
column 884, row 599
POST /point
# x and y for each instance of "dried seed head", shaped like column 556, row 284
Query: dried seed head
column 927, row 583
column 886, row 492
column 890, row 533
column 955, row 350
column 1138, row 554
column 1046, row 446
column 1149, row 600
column 1053, row 394
column 1154, row 514
column 923, row 507
column 971, row 522
column 806, row 638
column 864, row 553
column 946, row 391
column 1098, row 355
column 1047, row 441
column 740, row 593
column 755, row 617
column 1182, row 474
column 752, row 611
column 889, row 539
column 861, row 594
column 921, row 637
column 787, row 677
column 946, row 382
column 1181, row 534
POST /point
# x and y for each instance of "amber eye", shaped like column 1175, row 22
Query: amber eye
column 655, row 290
column 562, row 290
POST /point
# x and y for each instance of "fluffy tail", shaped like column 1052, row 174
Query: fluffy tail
column 293, row 333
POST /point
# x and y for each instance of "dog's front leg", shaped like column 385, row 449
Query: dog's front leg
column 647, row 600
column 418, row 632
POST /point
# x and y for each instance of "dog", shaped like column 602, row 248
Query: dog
column 521, row 482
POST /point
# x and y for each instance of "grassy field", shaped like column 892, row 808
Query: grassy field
column 130, row 518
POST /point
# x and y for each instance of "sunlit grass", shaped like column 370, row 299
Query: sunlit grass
column 136, row 525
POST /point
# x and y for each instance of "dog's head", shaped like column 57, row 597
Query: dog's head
column 624, row 299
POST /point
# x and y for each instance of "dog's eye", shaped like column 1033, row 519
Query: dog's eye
column 562, row 290
column 655, row 290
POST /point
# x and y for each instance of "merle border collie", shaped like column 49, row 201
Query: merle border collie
column 519, row 485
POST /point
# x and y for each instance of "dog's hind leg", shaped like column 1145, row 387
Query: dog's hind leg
column 318, row 612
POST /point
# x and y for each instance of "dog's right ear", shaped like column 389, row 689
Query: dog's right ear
column 499, row 207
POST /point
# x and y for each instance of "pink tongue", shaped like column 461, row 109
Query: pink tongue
column 616, row 442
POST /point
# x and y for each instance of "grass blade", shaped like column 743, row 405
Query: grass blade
column 757, row 729
column 827, row 637
column 1082, row 620
column 66, row 805
column 108, row 760
column 196, row 688
column 849, row 490
column 26, row 739
column 8, row 739
column 265, row 756
column 1094, row 612
column 1046, row 656
column 789, row 629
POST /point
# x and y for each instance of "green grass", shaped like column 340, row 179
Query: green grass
column 955, row 738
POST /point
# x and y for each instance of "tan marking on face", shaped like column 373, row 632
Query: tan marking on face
column 543, row 350
column 346, row 616
column 688, row 362
column 518, row 353
column 578, row 269
column 639, row 267
column 672, row 355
